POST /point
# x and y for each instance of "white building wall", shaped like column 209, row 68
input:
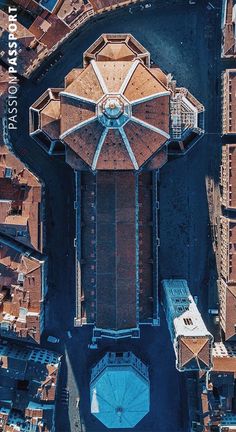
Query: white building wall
column 182, row 314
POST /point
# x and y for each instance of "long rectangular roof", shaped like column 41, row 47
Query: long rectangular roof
column 229, row 175
column 116, row 250
column 229, row 107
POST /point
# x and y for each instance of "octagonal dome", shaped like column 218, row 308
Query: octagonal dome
column 115, row 115
column 120, row 393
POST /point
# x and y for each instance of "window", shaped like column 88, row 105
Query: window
column 188, row 321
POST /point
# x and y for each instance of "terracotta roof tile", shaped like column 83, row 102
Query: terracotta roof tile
column 185, row 354
column 143, row 141
column 49, row 31
column 229, row 175
column 203, row 353
column 101, row 82
column 160, row 75
column 194, row 348
column 50, row 119
column 118, row 51
column 114, row 154
column 142, row 84
column 85, row 140
column 74, row 112
column 223, row 364
column 155, row 112
column 116, row 251
column 86, row 85
column 114, row 73
column 229, row 43
column 229, row 105
column 22, row 191
column 21, row 308
column 230, row 312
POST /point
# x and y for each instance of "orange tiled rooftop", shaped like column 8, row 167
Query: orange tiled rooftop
column 117, row 112
column 229, row 102
column 228, row 29
column 20, row 201
column 228, row 176
column 21, row 286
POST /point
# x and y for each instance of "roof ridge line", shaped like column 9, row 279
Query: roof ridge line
column 128, row 148
column 150, row 97
column 129, row 75
column 77, row 97
column 99, row 148
column 77, row 127
column 149, row 126
column 99, row 76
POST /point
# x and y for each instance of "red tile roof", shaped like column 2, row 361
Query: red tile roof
column 144, row 142
column 49, row 31
column 74, row 112
column 228, row 249
column 20, row 294
column 229, row 102
column 228, row 177
column 114, row 153
column 194, row 349
column 20, row 200
column 116, row 251
column 118, row 51
column 129, row 102
column 229, row 41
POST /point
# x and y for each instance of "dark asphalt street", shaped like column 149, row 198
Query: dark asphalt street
column 185, row 41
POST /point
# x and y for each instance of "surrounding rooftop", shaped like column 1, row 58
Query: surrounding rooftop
column 229, row 102
column 21, row 209
column 28, row 380
column 22, row 291
column 228, row 28
column 228, row 176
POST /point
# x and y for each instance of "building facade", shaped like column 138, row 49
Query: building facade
column 228, row 176
column 228, row 102
column 227, row 280
column 228, row 23
column 191, row 340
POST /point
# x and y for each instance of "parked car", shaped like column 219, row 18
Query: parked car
column 213, row 311
column 93, row 346
column 53, row 339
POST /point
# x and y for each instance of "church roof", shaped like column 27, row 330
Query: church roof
column 115, row 114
